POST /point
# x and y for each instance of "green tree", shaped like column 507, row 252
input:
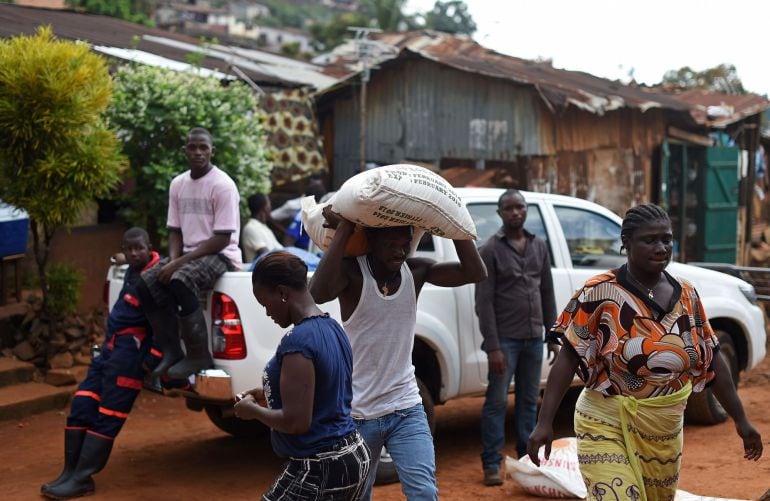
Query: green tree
column 56, row 152
column 154, row 109
column 451, row 17
column 136, row 11
column 389, row 14
column 326, row 36
column 721, row 78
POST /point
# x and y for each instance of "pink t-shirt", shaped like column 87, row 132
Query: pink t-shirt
column 205, row 206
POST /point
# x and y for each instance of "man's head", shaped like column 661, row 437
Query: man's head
column 390, row 246
column 260, row 207
column 136, row 247
column 512, row 209
column 198, row 149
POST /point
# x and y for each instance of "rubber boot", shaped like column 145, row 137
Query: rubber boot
column 93, row 457
column 196, row 343
column 73, row 441
column 165, row 329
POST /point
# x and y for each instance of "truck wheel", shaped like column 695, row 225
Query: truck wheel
column 703, row 408
column 386, row 470
column 234, row 426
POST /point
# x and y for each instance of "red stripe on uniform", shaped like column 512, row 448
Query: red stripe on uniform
column 91, row 394
column 136, row 331
column 100, row 435
column 127, row 382
column 156, row 353
column 130, row 299
column 110, row 412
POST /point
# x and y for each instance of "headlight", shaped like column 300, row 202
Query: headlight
column 748, row 292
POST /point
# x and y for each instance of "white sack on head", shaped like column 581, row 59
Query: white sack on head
column 313, row 222
column 405, row 195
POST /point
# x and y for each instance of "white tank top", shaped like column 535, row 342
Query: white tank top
column 381, row 332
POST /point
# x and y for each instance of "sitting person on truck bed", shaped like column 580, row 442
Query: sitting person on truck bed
column 378, row 304
column 307, row 391
column 204, row 225
column 104, row 399
column 256, row 236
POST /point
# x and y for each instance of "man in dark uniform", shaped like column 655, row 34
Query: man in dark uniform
column 103, row 400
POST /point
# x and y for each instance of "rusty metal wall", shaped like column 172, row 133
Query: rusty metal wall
column 419, row 110
column 576, row 130
column 423, row 111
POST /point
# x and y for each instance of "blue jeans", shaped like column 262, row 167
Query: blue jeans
column 524, row 359
column 407, row 437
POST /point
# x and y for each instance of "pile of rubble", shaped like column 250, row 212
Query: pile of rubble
column 55, row 347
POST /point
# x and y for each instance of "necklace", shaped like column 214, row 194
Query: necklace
column 639, row 284
column 383, row 288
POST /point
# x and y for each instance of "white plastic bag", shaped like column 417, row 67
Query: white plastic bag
column 401, row 195
column 687, row 496
column 557, row 477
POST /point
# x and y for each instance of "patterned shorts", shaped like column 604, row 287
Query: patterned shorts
column 198, row 275
column 338, row 474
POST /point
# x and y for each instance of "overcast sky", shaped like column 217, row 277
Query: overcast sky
column 610, row 38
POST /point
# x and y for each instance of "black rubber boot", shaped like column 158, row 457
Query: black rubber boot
column 196, row 343
column 73, row 441
column 93, row 457
column 165, row 329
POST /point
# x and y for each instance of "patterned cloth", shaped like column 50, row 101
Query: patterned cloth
column 630, row 346
column 198, row 275
column 337, row 474
column 630, row 448
column 292, row 136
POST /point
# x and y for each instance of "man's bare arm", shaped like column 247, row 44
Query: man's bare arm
column 468, row 269
column 331, row 277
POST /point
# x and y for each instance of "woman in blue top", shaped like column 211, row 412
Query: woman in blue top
column 307, row 388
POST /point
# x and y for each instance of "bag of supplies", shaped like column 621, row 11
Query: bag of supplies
column 557, row 477
column 393, row 195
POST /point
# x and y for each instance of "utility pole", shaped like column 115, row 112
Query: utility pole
column 365, row 49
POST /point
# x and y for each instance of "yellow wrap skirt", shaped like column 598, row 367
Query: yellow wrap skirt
column 628, row 448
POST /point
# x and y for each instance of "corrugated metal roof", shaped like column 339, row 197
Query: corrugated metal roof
column 558, row 88
column 717, row 110
column 118, row 34
column 142, row 57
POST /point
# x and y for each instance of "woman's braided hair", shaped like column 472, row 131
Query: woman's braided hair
column 641, row 214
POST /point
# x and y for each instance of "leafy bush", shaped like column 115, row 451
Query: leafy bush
column 154, row 109
column 64, row 282
column 56, row 152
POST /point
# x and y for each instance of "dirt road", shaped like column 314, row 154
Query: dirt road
column 167, row 452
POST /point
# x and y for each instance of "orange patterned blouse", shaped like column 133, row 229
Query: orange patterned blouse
column 628, row 345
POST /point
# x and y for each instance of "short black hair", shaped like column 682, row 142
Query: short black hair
column 137, row 232
column 257, row 202
column 200, row 131
column 641, row 214
column 510, row 192
column 280, row 267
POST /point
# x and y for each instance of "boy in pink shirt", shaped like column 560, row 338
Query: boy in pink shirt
column 204, row 226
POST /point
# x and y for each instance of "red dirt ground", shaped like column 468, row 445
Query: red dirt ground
column 167, row 452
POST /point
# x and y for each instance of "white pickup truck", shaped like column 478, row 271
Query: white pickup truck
column 583, row 239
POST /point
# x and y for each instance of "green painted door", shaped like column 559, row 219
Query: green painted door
column 718, row 214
